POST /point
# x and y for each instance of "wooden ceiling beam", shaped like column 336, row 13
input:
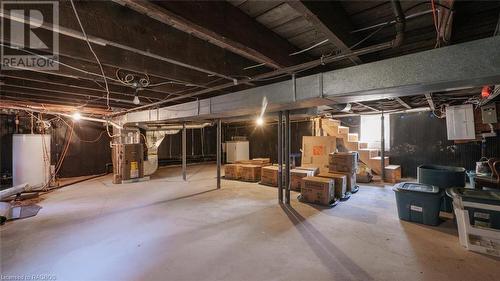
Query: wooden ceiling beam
column 403, row 103
column 223, row 25
column 110, row 26
column 330, row 18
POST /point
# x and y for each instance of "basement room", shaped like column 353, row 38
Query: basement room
column 250, row 140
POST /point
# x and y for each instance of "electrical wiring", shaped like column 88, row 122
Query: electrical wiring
column 92, row 50
column 50, row 59
column 94, row 140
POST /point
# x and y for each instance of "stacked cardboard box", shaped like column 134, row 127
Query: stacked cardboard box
column 296, row 176
column 269, row 175
column 256, row 161
column 392, row 173
column 316, row 150
column 318, row 190
column 341, row 181
column 315, row 170
column 249, row 172
column 231, row 171
column 343, row 162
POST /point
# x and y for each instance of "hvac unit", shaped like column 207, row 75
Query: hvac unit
column 128, row 163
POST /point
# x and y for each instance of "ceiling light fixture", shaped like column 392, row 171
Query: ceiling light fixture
column 136, row 100
column 76, row 116
column 260, row 121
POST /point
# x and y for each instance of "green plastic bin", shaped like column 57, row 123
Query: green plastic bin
column 443, row 177
column 418, row 202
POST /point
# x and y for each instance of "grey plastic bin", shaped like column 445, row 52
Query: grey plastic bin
column 418, row 202
column 442, row 177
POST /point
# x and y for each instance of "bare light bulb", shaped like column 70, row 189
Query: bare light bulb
column 76, row 116
column 136, row 100
column 260, row 121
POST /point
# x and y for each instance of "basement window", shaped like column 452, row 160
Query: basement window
column 370, row 131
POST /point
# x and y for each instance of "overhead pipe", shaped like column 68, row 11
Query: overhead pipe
column 400, row 23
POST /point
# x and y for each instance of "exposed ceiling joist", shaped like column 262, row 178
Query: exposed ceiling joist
column 200, row 18
column 124, row 29
column 428, row 97
column 402, row 102
column 331, row 20
column 367, row 106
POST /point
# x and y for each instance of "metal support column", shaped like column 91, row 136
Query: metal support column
column 280, row 156
column 287, row 156
column 219, row 150
column 382, row 146
column 184, row 163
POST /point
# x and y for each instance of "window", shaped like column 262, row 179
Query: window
column 370, row 130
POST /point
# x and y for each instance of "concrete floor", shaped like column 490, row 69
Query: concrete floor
column 166, row 229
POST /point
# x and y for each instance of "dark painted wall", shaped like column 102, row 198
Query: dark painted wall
column 88, row 153
column 420, row 138
column 264, row 140
column 200, row 146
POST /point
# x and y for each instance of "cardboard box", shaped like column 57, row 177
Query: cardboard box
column 392, row 173
column 296, row 176
column 314, row 169
column 351, row 179
column 256, row 161
column 340, row 183
column 318, row 190
column 316, row 150
column 343, row 162
column 248, row 172
column 269, row 175
column 231, row 171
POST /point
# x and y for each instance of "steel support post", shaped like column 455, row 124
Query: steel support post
column 219, row 151
column 287, row 156
column 184, row 162
column 382, row 146
column 280, row 156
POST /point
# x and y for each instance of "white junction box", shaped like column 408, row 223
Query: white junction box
column 237, row 151
column 460, row 122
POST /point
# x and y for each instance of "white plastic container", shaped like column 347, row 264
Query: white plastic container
column 479, row 237
column 31, row 159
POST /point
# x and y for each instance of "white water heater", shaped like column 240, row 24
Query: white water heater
column 31, row 159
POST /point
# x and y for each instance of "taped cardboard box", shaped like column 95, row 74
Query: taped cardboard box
column 316, row 150
column 340, row 183
column 318, row 190
column 350, row 180
column 315, row 170
column 296, row 176
column 256, row 161
column 248, row 172
column 269, row 175
column 392, row 173
column 343, row 162
column 231, row 171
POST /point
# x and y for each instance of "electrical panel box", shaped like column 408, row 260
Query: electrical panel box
column 489, row 113
column 128, row 162
column 237, row 151
column 460, row 122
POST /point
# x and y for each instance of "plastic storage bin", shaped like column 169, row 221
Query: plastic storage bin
column 418, row 202
column 478, row 219
column 443, row 177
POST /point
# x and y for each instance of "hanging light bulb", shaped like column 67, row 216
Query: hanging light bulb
column 136, row 97
column 260, row 121
column 76, row 116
